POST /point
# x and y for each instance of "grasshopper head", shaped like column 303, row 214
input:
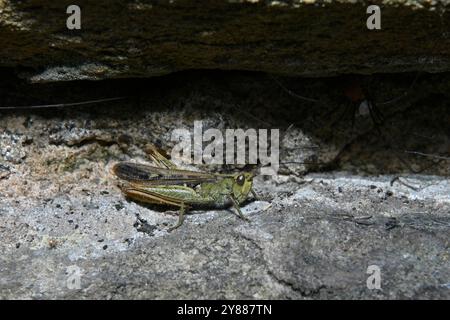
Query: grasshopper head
column 242, row 185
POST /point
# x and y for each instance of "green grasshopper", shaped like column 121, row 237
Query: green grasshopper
column 165, row 184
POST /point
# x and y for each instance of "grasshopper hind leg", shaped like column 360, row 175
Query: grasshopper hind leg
column 180, row 219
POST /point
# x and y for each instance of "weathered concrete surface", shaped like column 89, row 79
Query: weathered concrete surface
column 313, row 236
column 149, row 38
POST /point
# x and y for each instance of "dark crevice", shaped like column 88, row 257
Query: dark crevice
column 238, row 99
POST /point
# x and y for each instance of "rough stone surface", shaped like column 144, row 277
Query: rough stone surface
column 312, row 236
column 313, row 241
column 146, row 38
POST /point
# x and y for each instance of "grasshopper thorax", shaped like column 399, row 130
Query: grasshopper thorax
column 242, row 186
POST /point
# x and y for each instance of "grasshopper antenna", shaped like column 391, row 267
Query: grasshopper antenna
column 62, row 105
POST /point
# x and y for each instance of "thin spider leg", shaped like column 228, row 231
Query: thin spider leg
column 62, row 105
column 438, row 157
column 404, row 94
column 348, row 109
column 353, row 115
column 379, row 115
column 419, row 73
column 393, row 148
column 376, row 124
column 291, row 93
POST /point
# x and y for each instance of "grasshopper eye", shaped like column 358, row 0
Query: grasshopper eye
column 240, row 180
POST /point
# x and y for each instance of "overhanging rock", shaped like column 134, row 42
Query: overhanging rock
column 149, row 38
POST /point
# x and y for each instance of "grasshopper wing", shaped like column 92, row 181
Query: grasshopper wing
column 150, row 175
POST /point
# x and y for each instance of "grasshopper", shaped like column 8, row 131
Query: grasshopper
column 165, row 184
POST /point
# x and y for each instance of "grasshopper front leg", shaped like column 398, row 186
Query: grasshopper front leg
column 238, row 209
column 180, row 218
column 255, row 195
